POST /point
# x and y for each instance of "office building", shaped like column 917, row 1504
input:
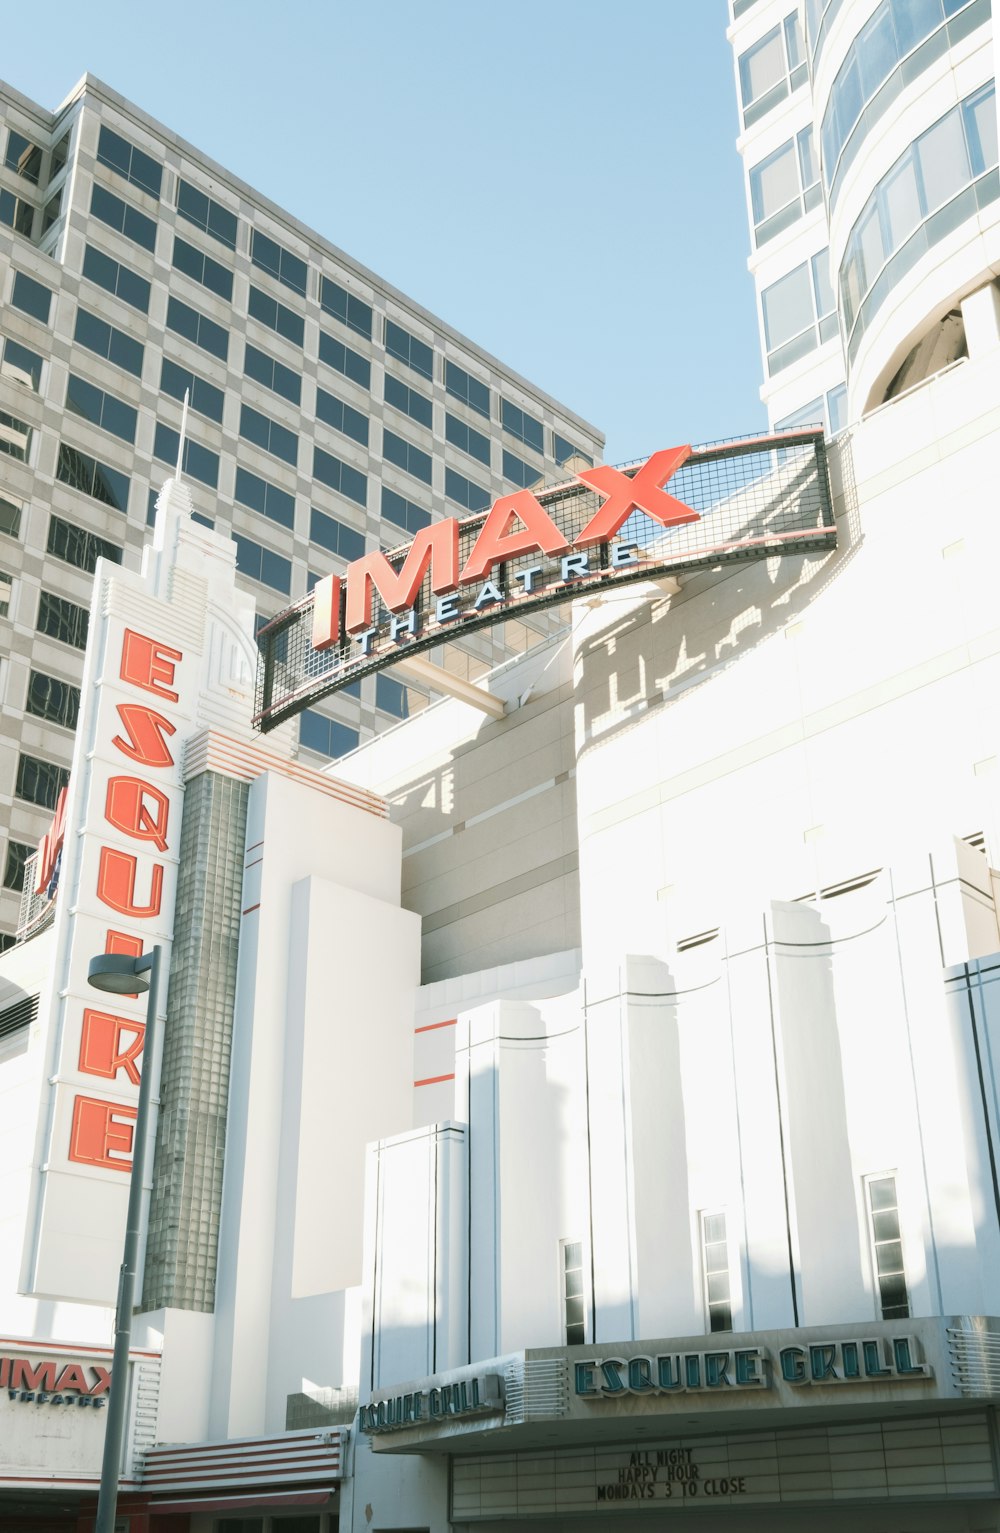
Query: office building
column 329, row 414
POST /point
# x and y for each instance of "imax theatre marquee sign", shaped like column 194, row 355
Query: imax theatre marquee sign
column 752, row 499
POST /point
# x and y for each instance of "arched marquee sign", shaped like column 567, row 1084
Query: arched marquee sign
column 682, row 509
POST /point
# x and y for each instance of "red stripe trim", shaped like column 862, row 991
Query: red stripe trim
column 430, row 1026
column 270, row 1473
column 240, row 1503
column 251, row 908
column 432, row 1080
column 284, row 1443
column 80, row 1348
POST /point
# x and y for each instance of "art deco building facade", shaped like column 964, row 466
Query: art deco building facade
column 329, row 414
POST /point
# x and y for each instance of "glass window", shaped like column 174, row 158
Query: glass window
column 6, row 593
column 467, row 439
column 518, row 472
column 52, row 210
column 199, row 462
column 574, row 1301
column 464, row 492
column 268, row 434
column 407, row 348
column 23, row 157
column 822, row 286
column 206, row 399
column 901, row 203
column 521, row 425
column 887, row 1248
column 101, row 409
column 980, row 114
column 105, row 340
column 82, row 472
column 336, row 355
column 391, row 696
column 40, row 782
column 347, row 307
column 568, row 452
column 16, row 213
column 10, row 517
column 132, row 163
column 276, row 316
column 78, row 547
column 788, row 307
column 60, row 155
column 197, row 328
column 120, row 280
column 715, row 1257
column 63, row 620
column 31, row 297
column 774, row 182
column 209, row 216
column 111, row 210
column 463, row 386
column 325, row 736
column 259, row 563
column 944, row 160
column 762, row 67
column 326, row 531
column 396, row 449
column 342, row 417
column 410, row 401
column 21, row 365
column 15, row 437
column 403, row 512
column 52, row 699
column 274, row 375
column 266, row 499
column 271, row 257
column 341, row 477
column 201, row 268
column 14, row 867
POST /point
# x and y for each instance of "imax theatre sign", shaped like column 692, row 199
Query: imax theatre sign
column 606, row 526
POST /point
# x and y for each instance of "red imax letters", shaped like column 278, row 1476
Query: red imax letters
column 516, row 525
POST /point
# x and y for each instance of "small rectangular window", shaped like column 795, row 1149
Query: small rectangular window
column 82, row 472
column 276, row 316
column 407, row 348
column 351, row 363
column 63, row 620
column 518, row 423
column 17, row 856
column 268, row 434
column 467, row 439
column 111, row 210
column 325, row 736
column 39, row 782
column 6, row 592
column 271, row 257
column 21, row 366
column 23, row 157
column 409, row 401
column 31, row 297
column 340, row 476
column 274, row 375
column 209, row 216
column 464, row 492
column 470, row 390
column 263, row 564
column 107, row 341
column 405, row 455
column 887, row 1248
column 715, row 1260
column 574, row 1300
column 342, row 417
column 264, row 498
column 402, row 512
column 10, row 517
column 60, row 155
column 115, row 278
column 347, row 307
column 101, row 408
column 16, row 213
column 518, row 472
column 199, row 462
column 206, row 399
column 52, row 699
column 568, row 452
column 197, row 328
column 15, row 437
column 132, row 163
column 391, row 696
column 194, row 263
column 346, row 542
column 78, row 547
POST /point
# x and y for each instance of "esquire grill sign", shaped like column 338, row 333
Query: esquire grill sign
column 751, row 499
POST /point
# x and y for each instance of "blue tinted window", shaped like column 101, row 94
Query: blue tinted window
column 416, row 405
column 464, row 492
column 354, row 366
column 463, row 386
column 518, row 472
column 22, row 365
column 198, row 328
column 111, row 210
column 16, row 213
column 105, row 340
column 205, row 397
column 31, row 297
column 396, row 449
column 403, row 512
column 268, row 434
column 266, row 499
column 259, row 563
column 341, row 416
column 101, row 409
column 199, row 462
column 340, row 476
column 345, row 306
column 201, row 268
column 566, row 451
column 469, row 440
column 82, row 472
column 132, row 163
column 281, row 263
column 326, row 736
column 205, row 214
column 79, row 547
column 347, row 543
column 521, row 425
column 268, row 311
column 272, row 374
column 391, row 696
column 116, row 278
column 415, row 353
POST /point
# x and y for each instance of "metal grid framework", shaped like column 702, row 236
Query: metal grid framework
column 756, row 498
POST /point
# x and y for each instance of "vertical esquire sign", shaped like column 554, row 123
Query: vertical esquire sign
column 683, row 508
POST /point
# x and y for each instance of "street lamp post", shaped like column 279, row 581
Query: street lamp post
column 121, row 975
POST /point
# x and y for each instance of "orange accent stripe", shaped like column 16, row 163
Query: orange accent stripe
column 430, row 1026
column 432, row 1080
column 251, row 908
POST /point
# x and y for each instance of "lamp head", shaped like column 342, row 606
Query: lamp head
column 119, row 974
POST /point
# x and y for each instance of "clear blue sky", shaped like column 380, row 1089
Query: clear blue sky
column 555, row 178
